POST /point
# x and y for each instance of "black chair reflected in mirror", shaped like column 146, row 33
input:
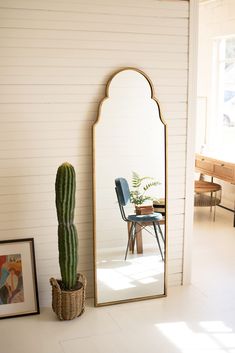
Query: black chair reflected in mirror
column 138, row 222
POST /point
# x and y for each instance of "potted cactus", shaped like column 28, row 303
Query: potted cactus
column 68, row 294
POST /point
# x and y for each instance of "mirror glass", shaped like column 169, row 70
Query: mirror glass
column 129, row 137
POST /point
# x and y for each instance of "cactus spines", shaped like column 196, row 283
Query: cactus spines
column 65, row 187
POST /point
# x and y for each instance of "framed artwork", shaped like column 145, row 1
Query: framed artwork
column 18, row 282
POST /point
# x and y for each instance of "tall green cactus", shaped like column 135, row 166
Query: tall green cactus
column 65, row 187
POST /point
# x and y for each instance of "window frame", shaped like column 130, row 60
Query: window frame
column 219, row 131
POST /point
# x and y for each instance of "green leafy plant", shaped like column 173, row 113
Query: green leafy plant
column 141, row 185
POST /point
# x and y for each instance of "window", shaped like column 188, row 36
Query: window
column 221, row 117
column 226, row 82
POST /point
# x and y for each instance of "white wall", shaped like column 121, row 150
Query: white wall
column 216, row 19
column 55, row 59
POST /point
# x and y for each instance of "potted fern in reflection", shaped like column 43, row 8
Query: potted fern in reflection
column 68, row 294
column 139, row 195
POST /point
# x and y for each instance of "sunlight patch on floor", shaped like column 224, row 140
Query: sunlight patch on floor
column 201, row 337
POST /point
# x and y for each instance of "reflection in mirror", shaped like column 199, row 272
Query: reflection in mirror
column 129, row 137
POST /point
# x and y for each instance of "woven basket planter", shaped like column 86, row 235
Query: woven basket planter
column 68, row 304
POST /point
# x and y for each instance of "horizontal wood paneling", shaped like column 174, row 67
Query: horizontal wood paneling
column 161, row 9
column 55, row 60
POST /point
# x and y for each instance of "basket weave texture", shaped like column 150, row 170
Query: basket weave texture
column 201, row 200
column 68, row 304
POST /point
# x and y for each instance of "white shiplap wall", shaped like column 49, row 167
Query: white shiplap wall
column 55, row 59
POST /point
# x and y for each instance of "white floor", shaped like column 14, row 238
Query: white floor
column 195, row 319
column 140, row 275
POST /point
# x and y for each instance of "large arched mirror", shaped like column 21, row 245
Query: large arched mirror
column 129, row 142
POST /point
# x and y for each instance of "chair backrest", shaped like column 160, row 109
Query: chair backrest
column 123, row 191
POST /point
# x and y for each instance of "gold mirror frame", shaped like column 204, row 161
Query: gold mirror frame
column 96, row 302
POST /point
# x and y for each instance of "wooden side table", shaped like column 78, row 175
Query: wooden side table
column 139, row 241
column 207, row 194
